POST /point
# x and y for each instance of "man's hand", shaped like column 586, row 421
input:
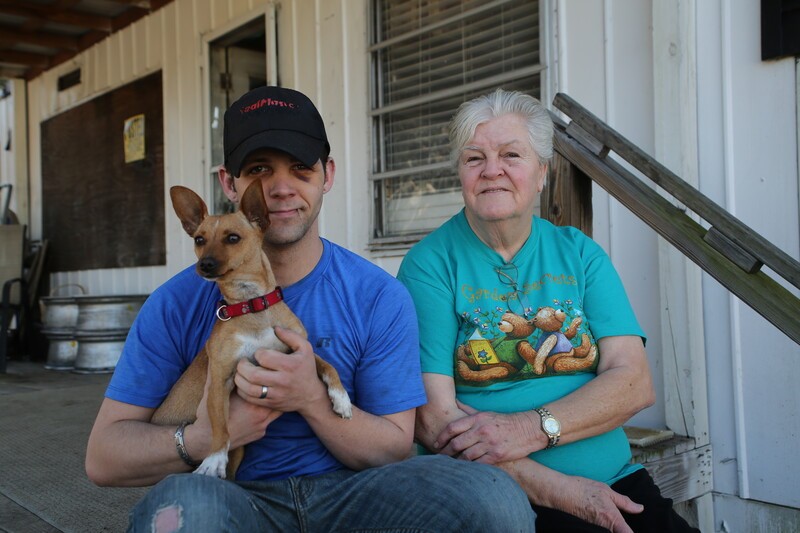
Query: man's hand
column 247, row 422
column 291, row 379
column 488, row 437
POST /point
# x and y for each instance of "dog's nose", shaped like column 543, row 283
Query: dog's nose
column 207, row 265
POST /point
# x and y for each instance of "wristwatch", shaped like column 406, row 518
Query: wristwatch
column 550, row 425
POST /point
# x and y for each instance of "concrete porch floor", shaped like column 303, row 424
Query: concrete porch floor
column 46, row 417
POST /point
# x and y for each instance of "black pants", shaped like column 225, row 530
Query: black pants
column 657, row 517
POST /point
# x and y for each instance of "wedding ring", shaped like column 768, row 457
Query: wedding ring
column 264, row 391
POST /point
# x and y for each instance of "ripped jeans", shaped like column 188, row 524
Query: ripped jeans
column 424, row 494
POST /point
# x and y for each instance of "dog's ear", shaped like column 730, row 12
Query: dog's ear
column 254, row 207
column 190, row 208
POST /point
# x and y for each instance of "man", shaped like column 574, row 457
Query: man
column 304, row 467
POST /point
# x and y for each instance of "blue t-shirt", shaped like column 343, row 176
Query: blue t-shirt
column 517, row 335
column 359, row 319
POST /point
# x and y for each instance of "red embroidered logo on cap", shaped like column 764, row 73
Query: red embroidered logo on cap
column 267, row 101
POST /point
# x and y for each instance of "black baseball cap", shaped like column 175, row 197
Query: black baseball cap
column 273, row 117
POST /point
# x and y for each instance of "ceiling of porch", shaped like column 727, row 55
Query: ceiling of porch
column 37, row 35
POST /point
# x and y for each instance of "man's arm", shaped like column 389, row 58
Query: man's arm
column 622, row 388
column 364, row 441
column 587, row 499
column 126, row 450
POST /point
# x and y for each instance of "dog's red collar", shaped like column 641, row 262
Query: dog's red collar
column 227, row 311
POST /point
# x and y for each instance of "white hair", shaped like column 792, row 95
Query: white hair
column 500, row 102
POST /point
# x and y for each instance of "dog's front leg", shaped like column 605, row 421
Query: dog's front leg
column 336, row 391
column 218, row 402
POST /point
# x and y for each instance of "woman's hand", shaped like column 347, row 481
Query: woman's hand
column 488, row 437
column 596, row 503
column 584, row 498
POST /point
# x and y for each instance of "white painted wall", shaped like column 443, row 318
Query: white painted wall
column 746, row 160
column 322, row 53
column 748, row 164
column 604, row 58
column 14, row 150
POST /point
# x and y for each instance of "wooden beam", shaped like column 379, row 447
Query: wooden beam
column 129, row 17
column 781, row 262
column 732, row 251
column 683, row 476
column 82, row 20
column 62, row 5
column 11, row 72
column 759, row 291
column 32, row 73
column 90, row 39
column 144, row 4
column 42, row 13
column 567, row 196
column 24, row 58
column 9, row 36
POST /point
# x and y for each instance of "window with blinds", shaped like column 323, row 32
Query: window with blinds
column 429, row 56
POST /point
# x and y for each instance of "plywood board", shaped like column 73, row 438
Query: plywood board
column 98, row 210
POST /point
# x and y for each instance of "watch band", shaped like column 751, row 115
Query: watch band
column 181, row 447
column 546, row 416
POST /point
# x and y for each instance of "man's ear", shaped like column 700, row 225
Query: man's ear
column 330, row 172
column 228, row 183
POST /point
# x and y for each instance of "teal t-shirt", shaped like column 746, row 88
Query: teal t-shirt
column 518, row 335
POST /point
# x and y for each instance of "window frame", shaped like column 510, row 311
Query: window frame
column 378, row 110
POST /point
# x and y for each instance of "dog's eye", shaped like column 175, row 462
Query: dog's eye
column 199, row 241
column 233, row 238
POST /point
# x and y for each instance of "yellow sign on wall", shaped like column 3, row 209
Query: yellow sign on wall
column 133, row 137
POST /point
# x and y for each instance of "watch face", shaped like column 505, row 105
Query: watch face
column 551, row 425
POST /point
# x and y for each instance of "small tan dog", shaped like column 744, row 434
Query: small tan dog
column 229, row 252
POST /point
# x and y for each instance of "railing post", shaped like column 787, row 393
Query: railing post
column 567, row 196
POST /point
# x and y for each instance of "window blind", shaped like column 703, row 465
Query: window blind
column 429, row 56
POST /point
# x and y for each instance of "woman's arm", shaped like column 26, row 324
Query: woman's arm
column 622, row 388
column 587, row 499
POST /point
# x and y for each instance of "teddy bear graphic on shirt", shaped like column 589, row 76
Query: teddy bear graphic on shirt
column 526, row 348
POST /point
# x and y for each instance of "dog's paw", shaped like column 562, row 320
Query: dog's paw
column 341, row 403
column 214, row 465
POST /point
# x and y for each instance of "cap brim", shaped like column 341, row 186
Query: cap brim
column 304, row 148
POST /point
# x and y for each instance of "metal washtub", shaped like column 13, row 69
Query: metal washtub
column 59, row 312
column 62, row 348
column 99, row 350
column 59, row 319
column 102, row 326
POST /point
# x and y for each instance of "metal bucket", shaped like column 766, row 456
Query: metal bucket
column 107, row 312
column 59, row 312
column 63, row 348
column 99, row 350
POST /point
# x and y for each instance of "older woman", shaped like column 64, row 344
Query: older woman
column 531, row 353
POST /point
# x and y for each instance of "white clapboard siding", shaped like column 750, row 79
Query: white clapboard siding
column 324, row 64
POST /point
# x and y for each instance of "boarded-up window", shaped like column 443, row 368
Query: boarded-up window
column 99, row 211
